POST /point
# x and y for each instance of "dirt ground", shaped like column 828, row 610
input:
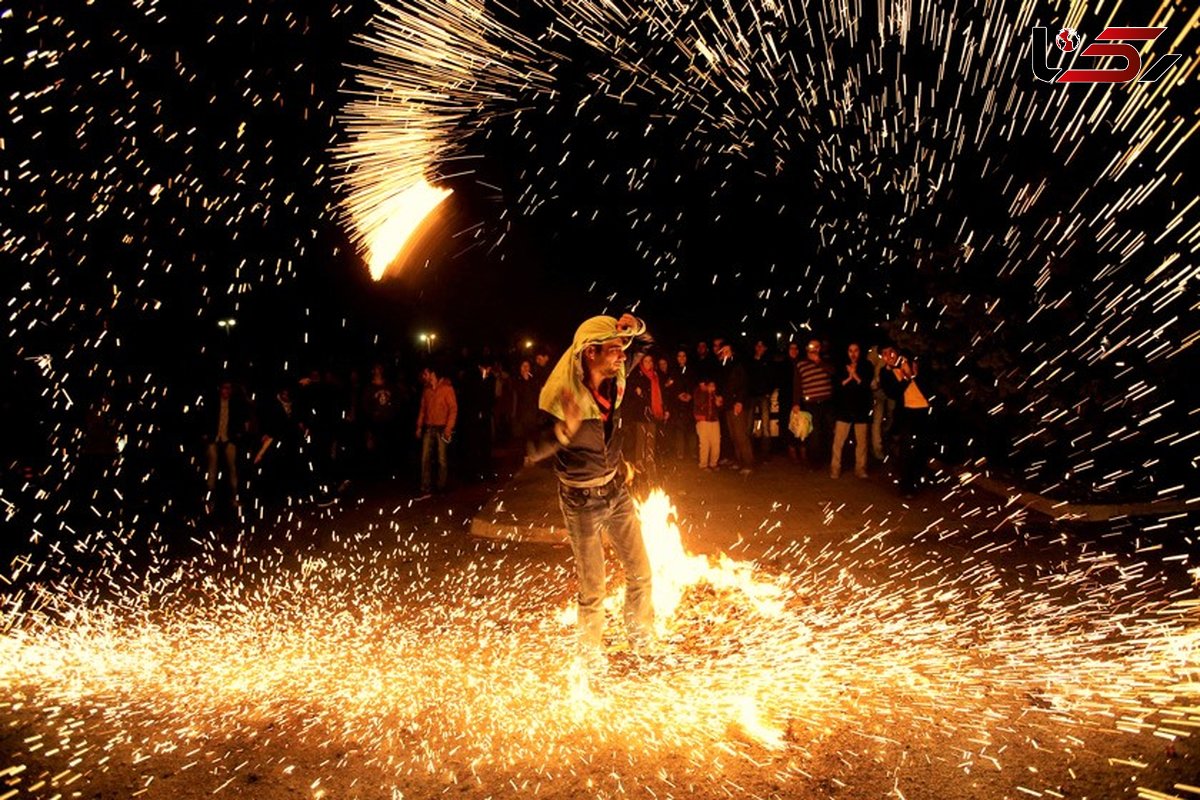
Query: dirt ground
column 949, row 647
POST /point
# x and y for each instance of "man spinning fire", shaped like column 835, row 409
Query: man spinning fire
column 583, row 434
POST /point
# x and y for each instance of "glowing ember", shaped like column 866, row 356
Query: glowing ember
column 424, row 669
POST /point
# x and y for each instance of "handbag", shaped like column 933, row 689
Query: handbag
column 800, row 423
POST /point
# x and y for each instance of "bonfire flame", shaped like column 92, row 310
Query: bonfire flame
column 675, row 570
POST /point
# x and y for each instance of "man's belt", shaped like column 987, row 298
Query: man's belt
column 593, row 483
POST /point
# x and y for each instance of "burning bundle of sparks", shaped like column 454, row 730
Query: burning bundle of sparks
column 467, row 677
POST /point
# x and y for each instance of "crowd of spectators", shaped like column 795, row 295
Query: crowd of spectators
column 718, row 408
column 451, row 420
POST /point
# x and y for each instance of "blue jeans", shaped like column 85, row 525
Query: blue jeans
column 588, row 512
column 431, row 439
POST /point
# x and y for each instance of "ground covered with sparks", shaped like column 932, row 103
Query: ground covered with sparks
column 859, row 668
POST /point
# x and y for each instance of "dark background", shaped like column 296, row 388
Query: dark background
column 789, row 217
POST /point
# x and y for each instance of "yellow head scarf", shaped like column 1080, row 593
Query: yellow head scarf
column 568, row 373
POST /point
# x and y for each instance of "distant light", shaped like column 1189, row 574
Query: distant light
column 528, row 344
column 227, row 323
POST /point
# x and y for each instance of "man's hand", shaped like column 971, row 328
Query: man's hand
column 627, row 323
column 572, row 414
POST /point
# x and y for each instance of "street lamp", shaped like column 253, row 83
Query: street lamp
column 529, row 344
column 227, row 324
column 428, row 339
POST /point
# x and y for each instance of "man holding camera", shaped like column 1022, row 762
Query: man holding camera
column 903, row 381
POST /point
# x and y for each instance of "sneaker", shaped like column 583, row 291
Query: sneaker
column 746, row 471
column 860, row 474
column 835, row 475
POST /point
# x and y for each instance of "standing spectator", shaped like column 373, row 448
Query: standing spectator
column 476, row 393
column 224, row 423
column 706, row 412
column 645, row 410
column 719, row 375
column 502, row 405
column 884, row 407
column 705, row 366
column 787, row 379
column 318, row 409
column 435, row 426
column 812, row 391
column 351, row 437
column 852, row 407
column 735, row 388
column 541, row 367
column 525, row 404
column 762, row 385
column 280, row 452
column 666, row 379
column 679, row 406
column 908, row 385
column 380, row 408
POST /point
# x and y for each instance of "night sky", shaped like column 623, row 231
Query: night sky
column 771, row 171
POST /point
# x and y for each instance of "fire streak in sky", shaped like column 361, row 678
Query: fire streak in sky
column 403, row 215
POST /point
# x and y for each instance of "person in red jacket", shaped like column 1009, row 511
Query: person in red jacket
column 435, row 426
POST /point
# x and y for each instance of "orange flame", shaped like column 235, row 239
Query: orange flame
column 675, row 570
column 404, row 214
